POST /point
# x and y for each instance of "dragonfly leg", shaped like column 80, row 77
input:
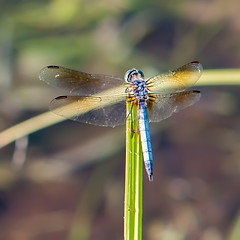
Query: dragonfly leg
column 130, row 110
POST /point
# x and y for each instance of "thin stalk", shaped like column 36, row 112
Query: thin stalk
column 133, row 179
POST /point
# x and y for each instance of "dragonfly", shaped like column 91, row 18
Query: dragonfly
column 101, row 99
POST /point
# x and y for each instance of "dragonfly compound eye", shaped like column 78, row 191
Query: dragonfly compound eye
column 130, row 73
column 140, row 73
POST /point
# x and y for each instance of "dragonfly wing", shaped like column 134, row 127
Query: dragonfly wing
column 177, row 80
column 165, row 105
column 101, row 111
column 78, row 83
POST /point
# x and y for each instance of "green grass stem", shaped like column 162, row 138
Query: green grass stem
column 133, row 179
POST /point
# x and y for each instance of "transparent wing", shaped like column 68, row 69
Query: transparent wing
column 177, row 80
column 108, row 111
column 79, row 83
column 165, row 105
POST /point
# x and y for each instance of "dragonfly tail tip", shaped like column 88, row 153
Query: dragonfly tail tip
column 151, row 178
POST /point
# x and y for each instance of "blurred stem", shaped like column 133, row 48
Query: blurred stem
column 90, row 200
column 133, row 179
column 235, row 232
column 218, row 77
column 210, row 77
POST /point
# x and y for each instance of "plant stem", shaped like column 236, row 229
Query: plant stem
column 133, row 179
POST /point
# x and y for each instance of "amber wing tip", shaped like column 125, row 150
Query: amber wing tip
column 198, row 66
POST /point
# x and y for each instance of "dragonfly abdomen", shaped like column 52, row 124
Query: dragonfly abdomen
column 145, row 139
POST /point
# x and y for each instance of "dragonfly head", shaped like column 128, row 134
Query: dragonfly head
column 133, row 74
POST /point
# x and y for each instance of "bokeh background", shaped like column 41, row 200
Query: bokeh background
column 67, row 181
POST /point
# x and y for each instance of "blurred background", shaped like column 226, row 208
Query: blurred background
column 67, row 181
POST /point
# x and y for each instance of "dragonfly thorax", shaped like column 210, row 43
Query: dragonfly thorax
column 138, row 90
